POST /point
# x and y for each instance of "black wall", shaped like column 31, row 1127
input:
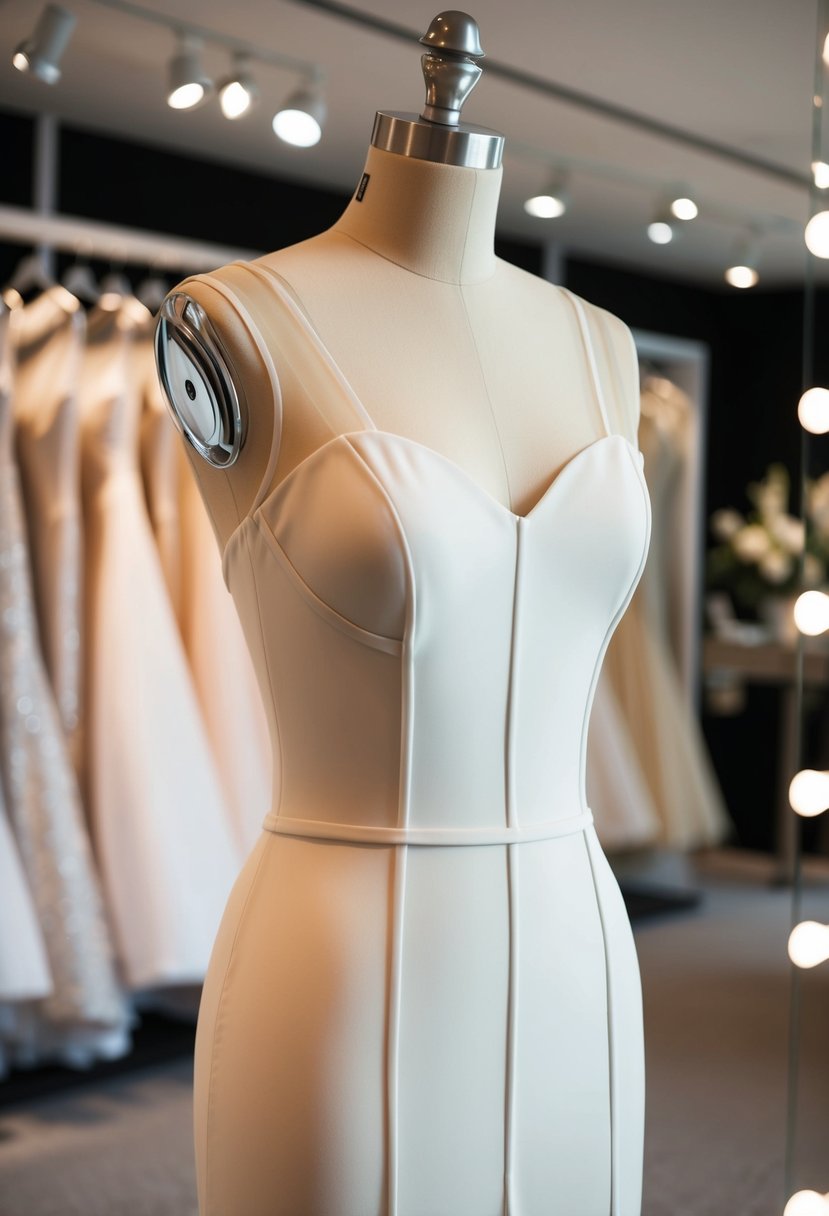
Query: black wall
column 755, row 340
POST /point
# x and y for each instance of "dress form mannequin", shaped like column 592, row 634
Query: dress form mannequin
column 390, row 1028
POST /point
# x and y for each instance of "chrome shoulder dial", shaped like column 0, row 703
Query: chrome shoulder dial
column 195, row 376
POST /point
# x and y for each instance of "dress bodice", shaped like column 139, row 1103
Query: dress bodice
column 428, row 655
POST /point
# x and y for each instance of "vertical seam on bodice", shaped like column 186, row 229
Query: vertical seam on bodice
column 399, row 857
column 272, row 697
column 617, row 616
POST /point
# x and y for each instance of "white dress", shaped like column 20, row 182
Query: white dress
column 81, row 1014
column 429, row 883
column 159, row 824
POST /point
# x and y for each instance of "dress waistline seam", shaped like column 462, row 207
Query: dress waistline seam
column 284, row 825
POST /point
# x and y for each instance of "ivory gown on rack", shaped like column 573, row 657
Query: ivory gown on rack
column 382, row 1031
column 160, row 826
column 82, row 1015
column 49, row 338
column 642, row 667
column 223, row 676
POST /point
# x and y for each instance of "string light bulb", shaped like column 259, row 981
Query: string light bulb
column 813, row 411
column 817, row 235
column 807, row 1203
column 809, row 944
column 809, row 792
column 811, row 613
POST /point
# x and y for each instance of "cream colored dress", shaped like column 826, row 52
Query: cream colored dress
column 49, row 338
column 643, row 670
column 160, row 826
column 80, row 1015
column 382, row 1031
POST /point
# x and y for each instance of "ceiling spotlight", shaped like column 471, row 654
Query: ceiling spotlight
column 661, row 232
column 742, row 276
column 189, row 83
column 742, row 272
column 41, row 53
column 820, row 170
column 817, row 235
column 238, row 92
column 300, row 120
column 552, row 203
column 684, row 208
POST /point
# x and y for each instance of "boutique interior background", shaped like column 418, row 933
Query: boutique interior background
column 618, row 108
column 726, row 75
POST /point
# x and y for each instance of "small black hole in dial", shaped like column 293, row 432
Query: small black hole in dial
column 190, row 389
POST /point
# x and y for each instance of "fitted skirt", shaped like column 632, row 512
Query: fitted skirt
column 414, row 1030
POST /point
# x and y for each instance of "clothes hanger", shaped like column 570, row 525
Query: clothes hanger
column 30, row 276
column 152, row 290
column 80, row 280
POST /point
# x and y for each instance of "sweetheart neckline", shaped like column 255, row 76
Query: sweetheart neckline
column 457, row 470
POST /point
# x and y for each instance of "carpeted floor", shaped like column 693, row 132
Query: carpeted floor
column 716, row 1007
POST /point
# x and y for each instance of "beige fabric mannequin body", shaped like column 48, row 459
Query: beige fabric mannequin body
column 357, row 1051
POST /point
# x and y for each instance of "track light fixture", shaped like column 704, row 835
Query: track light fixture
column 238, row 92
column 742, row 272
column 189, row 83
column 684, row 208
column 552, row 203
column 301, row 119
column 41, row 53
column 662, row 228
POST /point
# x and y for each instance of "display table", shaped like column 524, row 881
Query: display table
column 787, row 667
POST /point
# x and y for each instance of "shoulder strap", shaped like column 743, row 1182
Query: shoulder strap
column 590, row 352
column 293, row 334
column 253, row 332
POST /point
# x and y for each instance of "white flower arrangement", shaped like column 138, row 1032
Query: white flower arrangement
column 759, row 552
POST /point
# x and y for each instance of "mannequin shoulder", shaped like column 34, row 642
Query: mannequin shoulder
column 611, row 338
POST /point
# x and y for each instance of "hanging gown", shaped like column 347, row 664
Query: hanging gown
column 83, row 1015
column 161, row 471
column 159, row 825
column 429, row 882
column 223, row 675
column 49, row 335
column 644, row 673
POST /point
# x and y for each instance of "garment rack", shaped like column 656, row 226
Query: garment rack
column 111, row 242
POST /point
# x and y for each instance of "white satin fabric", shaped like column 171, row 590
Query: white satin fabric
column 424, row 997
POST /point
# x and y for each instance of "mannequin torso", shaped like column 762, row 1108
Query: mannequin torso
column 423, row 996
column 473, row 357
